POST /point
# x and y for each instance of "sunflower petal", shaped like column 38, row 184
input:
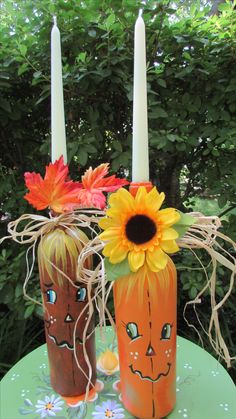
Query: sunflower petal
column 109, row 247
column 118, row 253
column 110, row 234
column 113, row 213
column 169, row 234
column 156, row 260
column 168, row 216
column 169, row 246
column 154, row 199
column 136, row 260
column 141, row 193
column 121, row 200
column 105, row 223
column 140, row 199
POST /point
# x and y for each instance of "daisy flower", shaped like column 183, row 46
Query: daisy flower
column 109, row 409
column 49, row 406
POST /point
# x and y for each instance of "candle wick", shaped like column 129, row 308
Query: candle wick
column 140, row 13
column 55, row 20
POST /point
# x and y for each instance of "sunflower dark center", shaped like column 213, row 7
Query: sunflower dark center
column 140, row 229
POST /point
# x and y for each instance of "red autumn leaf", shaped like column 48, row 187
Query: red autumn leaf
column 53, row 191
column 94, row 183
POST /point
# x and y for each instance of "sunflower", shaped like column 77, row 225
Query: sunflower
column 137, row 228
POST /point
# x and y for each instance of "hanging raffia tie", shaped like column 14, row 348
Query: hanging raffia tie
column 29, row 229
column 203, row 234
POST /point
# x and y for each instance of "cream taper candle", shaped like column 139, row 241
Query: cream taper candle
column 58, row 144
column 140, row 157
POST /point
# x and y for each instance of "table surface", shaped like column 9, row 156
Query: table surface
column 204, row 388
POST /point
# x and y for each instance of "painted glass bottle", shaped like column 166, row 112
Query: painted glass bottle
column 145, row 310
column 63, row 302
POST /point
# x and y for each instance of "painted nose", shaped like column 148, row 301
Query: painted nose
column 68, row 318
column 150, row 351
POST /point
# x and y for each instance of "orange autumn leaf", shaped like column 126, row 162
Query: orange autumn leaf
column 94, row 183
column 53, row 191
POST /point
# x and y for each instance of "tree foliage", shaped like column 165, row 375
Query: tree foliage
column 191, row 89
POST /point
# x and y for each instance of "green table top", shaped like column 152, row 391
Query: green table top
column 204, row 388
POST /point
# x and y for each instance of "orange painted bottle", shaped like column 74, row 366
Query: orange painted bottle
column 145, row 310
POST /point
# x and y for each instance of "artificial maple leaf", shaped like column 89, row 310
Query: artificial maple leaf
column 53, row 191
column 94, row 184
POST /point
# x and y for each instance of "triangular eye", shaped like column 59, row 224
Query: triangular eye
column 81, row 294
column 166, row 331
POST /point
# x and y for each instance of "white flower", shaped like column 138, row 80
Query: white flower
column 49, row 406
column 109, row 409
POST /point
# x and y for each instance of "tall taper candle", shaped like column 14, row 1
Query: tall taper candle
column 58, row 144
column 140, row 159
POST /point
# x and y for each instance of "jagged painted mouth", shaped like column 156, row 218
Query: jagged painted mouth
column 146, row 377
column 62, row 344
column 65, row 343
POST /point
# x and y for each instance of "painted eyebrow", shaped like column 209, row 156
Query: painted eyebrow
column 77, row 283
column 48, row 285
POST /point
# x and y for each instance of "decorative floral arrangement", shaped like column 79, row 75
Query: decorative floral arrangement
column 138, row 236
column 59, row 194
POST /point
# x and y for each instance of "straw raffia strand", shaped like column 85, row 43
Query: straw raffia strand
column 203, row 235
column 30, row 228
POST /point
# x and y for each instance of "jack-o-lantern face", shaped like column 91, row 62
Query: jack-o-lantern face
column 133, row 333
column 63, row 304
column 146, row 330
